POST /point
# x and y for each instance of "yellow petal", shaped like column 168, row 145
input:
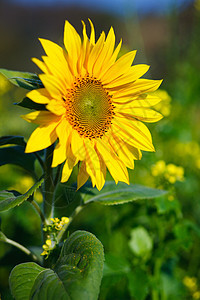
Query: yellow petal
column 53, row 85
column 140, row 86
column 58, row 72
column 92, row 34
column 39, row 96
column 115, row 166
column 77, row 145
column 93, row 167
column 134, row 133
column 41, row 65
column 42, row 137
column 58, row 56
column 106, row 53
column 86, row 46
column 83, row 53
column 143, row 100
column 121, row 66
column 120, row 148
column 146, row 100
column 134, row 73
column 109, row 62
column 60, row 152
column 56, row 107
column 41, row 117
column 82, row 176
column 95, row 53
column 143, row 114
column 54, row 51
column 68, row 167
column 72, row 42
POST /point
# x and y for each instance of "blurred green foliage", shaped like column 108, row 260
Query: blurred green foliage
column 151, row 246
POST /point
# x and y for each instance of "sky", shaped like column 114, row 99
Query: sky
column 118, row 7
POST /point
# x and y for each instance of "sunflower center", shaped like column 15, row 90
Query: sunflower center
column 89, row 108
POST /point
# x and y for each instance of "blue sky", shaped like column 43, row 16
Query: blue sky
column 118, row 7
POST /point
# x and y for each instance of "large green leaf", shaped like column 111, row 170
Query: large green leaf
column 22, row 278
column 16, row 155
column 25, row 80
column 77, row 274
column 12, row 140
column 10, row 199
column 118, row 194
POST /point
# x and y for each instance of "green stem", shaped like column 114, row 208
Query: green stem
column 22, row 248
column 157, row 268
column 48, row 205
column 63, row 230
column 57, row 177
column 40, row 160
column 37, row 208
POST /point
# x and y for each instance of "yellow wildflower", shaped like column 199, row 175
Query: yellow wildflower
column 196, row 295
column 164, row 106
column 158, row 168
column 170, row 172
column 190, row 282
column 47, row 247
column 95, row 106
column 65, row 220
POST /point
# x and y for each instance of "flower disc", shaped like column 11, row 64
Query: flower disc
column 89, row 108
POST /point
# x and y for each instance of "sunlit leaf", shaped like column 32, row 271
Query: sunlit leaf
column 118, row 194
column 10, row 199
column 25, row 80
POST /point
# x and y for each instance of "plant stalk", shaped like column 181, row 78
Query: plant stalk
column 22, row 248
column 63, row 230
column 48, row 205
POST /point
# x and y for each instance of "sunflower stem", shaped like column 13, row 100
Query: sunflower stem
column 57, row 177
column 40, row 160
column 63, row 230
column 37, row 208
column 48, row 205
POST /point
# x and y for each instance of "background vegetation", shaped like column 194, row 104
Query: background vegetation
column 151, row 247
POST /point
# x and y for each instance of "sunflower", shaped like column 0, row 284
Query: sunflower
column 95, row 105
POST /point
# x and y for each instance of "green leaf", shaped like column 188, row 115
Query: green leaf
column 77, row 274
column 118, row 194
column 164, row 205
column 28, row 103
column 10, row 199
column 2, row 237
column 25, row 80
column 22, row 278
column 115, row 265
column 16, row 155
column 138, row 284
column 140, row 243
column 12, row 139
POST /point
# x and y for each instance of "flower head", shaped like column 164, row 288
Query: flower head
column 95, row 105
